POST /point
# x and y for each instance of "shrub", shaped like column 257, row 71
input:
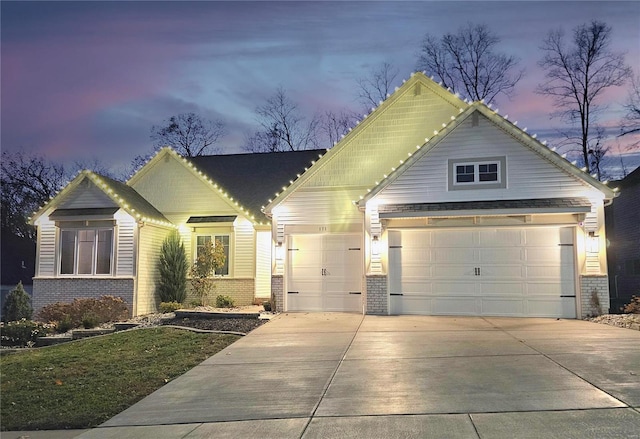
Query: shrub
column 169, row 306
column 17, row 305
column 89, row 320
column 210, row 258
column 64, row 324
column 22, row 333
column 105, row 309
column 633, row 306
column 173, row 269
column 224, row 302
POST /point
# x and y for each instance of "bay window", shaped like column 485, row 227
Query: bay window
column 86, row 251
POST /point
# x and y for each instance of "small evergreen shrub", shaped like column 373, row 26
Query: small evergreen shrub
column 166, row 307
column 224, row 302
column 22, row 333
column 633, row 307
column 173, row 267
column 105, row 309
column 64, row 324
column 17, row 305
column 89, row 320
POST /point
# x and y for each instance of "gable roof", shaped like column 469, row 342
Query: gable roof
column 501, row 122
column 253, row 179
column 415, row 79
column 125, row 197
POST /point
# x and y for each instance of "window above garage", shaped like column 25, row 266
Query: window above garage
column 477, row 173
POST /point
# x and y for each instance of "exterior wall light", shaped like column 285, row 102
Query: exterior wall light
column 279, row 252
column 593, row 243
column 375, row 245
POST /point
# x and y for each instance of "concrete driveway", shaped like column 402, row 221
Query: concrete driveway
column 332, row 375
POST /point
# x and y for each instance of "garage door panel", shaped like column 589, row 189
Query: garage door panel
column 509, row 289
column 418, row 305
column 449, row 271
column 454, row 288
column 456, row 306
column 412, row 286
column 554, row 289
column 499, row 238
column 501, row 271
column 501, row 255
column 458, row 238
column 544, row 271
column 545, row 237
column 454, row 255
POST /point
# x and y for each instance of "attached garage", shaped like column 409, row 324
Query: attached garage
column 324, row 273
column 483, row 271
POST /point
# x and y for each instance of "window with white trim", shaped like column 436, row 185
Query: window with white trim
column 488, row 173
column 224, row 240
column 86, row 251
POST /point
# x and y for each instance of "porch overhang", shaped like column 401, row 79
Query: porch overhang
column 485, row 208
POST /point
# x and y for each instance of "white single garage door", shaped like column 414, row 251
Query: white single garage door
column 483, row 271
column 324, row 273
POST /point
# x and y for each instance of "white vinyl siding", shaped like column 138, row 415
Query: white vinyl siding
column 528, row 174
column 320, row 207
column 86, row 195
column 244, row 245
column 169, row 181
column 263, row 264
column 386, row 136
column 125, row 246
column 47, row 232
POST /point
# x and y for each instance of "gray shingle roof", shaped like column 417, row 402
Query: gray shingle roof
column 253, row 179
column 542, row 204
column 137, row 205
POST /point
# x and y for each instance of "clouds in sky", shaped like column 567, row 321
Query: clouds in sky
column 89, row 79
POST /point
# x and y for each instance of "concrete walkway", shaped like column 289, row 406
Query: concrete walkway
column 332, row 375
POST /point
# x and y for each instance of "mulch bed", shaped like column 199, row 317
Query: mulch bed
column 223, row 324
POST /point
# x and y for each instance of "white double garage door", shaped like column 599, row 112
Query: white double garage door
column 479, row 271
column 483, row 271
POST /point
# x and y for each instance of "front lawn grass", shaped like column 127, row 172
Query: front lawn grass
column 84, row 383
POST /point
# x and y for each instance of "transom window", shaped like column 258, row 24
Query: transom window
column 477, row 174
column 86, row 251
column 201, row 240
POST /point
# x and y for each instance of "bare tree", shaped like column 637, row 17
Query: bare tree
column 467, row 63
column 189, row 134
column 334, row 126
column 576, row 75
column 30, row 180
column 631, row 122
column 282, row 127
column 377, row 85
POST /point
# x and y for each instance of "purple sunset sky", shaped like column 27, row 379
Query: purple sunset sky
column 87, row 80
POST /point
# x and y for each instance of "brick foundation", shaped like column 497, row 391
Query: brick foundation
column 377, row 298
column 589, row 285
column 240, row 290
column 48, row 291
column 277, row 292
